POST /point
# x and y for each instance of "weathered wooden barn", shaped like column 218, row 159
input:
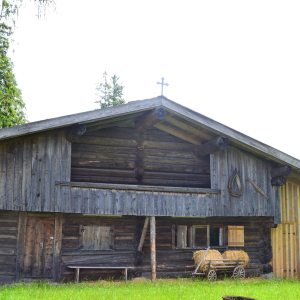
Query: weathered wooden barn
column 77, row 190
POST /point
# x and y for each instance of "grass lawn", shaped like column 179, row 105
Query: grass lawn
column 161, row 289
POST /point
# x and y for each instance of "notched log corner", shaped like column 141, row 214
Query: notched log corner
column 211, row 146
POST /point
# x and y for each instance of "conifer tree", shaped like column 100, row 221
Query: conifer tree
column 110, row 91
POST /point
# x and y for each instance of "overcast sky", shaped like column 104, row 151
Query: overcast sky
column 237, row 62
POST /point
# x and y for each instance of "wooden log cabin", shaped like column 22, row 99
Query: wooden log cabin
column 82, row 189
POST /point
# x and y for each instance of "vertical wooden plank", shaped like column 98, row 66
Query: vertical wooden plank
column 47, row 259
column 208, row 236
column 10, row 175
column 173, row 236
column 57, row 243
column 26, row 181
column 18, row 174
column 292, row 258
column 29, row 245
column 298, row 231
column 3, row 175
column 21, row 239
column 153, row 248
column 65, row 171
column 287, row 244
column 277, row 204
column 46, row 182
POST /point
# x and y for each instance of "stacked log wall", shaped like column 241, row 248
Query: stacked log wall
column 112, row 155
column 8, row 246
column 171, row 262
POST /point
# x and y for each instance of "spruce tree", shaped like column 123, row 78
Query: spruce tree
column 110, row 91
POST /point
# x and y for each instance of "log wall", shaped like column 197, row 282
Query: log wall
column 171, row 262
column 8, row 246
column 113, row 154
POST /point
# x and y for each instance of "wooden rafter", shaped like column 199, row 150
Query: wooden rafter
column 188, row 128
column 122, row 123
column 180, row 134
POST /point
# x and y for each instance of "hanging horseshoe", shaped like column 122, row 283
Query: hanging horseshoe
column 235, row 177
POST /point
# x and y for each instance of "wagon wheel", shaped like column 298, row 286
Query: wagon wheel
column 239, row 273
column 212, row 275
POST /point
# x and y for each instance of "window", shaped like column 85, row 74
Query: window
column 236, row 236
column 96, row 238
column 197, row 236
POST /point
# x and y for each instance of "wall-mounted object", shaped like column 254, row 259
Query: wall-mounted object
column 258, row 189
column 235, row 178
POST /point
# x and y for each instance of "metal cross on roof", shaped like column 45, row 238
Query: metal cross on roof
column 162, row 85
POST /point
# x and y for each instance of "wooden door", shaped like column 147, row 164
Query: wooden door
column 39, row 248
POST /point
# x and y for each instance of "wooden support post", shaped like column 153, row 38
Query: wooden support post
column 57, row 241
column 143, row 234
column 77, row 274
column 21, row 244
column 155, row 116
column 211, row 146
column 153, row 248
column 76, row 131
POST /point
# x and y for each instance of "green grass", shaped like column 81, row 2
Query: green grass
column 161, row 289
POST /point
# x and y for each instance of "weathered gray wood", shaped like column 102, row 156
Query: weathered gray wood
column 3, row 176
column 137, row 187
column 155, row 116
column 22, row 224
column 140, row 247
column 57, row 244
column 153, row 248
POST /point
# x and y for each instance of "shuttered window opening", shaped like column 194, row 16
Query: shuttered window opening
column 197, row 236
column 236, row 236
column 96, row 238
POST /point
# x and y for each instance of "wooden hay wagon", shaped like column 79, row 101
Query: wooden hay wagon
column 214, row 266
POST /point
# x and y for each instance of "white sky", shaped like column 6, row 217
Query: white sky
column 237, row 62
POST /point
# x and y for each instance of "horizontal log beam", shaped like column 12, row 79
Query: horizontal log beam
column 152, row 182
column 278, row 181
column 211, row 146
column 146, row 174
column 155, row 116
column 75, row 131
column 139, row 187
column 281, row 171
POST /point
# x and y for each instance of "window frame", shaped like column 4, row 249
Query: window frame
column 191, row 234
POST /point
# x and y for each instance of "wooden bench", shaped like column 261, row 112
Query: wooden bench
column 77, row 269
